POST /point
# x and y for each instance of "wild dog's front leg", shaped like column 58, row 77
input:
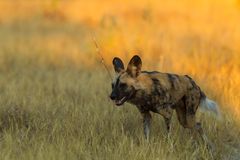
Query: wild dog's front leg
column 168, row 123
column 146, row 124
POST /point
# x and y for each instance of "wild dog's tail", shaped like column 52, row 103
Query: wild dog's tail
column 209, row 105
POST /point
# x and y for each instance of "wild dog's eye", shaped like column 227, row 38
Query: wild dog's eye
column 112, row 85
column 122, row 85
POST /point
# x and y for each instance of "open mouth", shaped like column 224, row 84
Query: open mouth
column 121, row 101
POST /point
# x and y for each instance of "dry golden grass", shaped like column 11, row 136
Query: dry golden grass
column 54, row 91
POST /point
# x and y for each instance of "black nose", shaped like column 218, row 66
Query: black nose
column 113, row 96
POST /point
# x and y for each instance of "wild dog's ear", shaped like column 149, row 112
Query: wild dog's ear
column 134, row 66
column 118, row 64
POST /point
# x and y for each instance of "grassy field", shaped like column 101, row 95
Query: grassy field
column 54, row 90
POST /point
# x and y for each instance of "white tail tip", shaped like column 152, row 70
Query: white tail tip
column 209, row 105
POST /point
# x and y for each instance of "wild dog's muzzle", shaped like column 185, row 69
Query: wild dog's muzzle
column 118, row 101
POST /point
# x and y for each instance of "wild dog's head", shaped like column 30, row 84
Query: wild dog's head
column 124, row 85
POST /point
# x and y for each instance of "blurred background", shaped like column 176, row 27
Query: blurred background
column 200, row 38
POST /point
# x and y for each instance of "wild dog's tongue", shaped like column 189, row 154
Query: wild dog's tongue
column 120, row 102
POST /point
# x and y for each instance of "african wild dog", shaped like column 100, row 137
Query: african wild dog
column 160, row 93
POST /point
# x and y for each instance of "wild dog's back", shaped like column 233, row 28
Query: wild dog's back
column 172, row 86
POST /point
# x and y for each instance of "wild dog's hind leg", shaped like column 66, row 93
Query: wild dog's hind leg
column 166, row 112
column 191, row 104
column 146, row 124
column 199, row 129
column 187, row 118
column 181, row 113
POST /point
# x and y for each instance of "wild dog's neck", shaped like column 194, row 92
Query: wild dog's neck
column 140, row 97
